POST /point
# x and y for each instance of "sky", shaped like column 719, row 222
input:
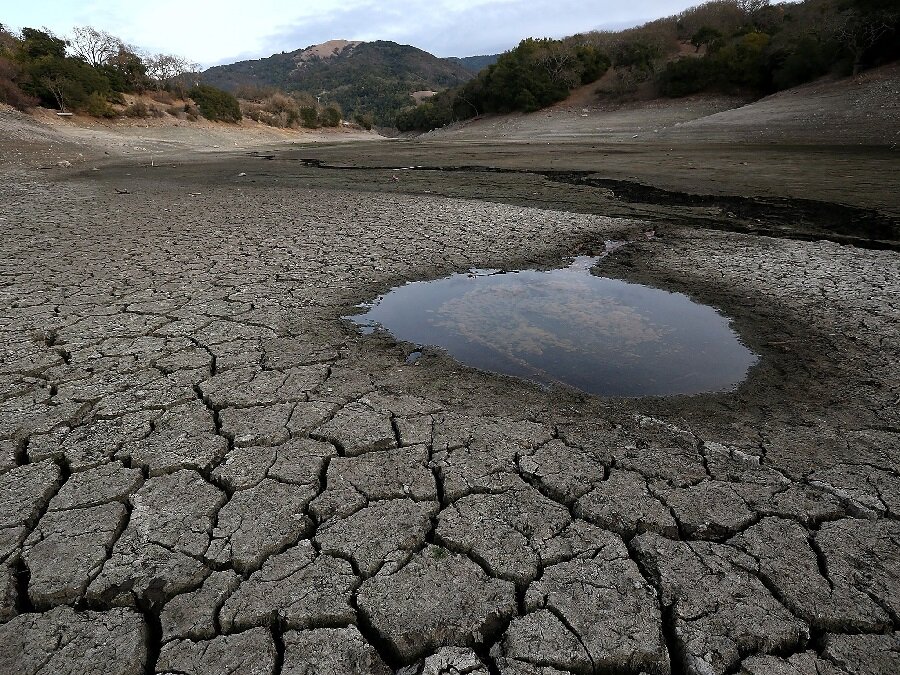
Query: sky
column 224, row 31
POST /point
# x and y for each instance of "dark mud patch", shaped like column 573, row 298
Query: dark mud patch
column 780, row 217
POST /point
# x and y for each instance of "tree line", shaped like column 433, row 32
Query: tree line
column 91, row 70
column 84, row 73
column 535, row 74
column 746, row 47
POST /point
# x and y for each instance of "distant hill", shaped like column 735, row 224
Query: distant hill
column 476, row 63
column 365, row 77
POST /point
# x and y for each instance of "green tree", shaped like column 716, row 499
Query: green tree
column 215, row 104
column 704, row 37
column 330, row 116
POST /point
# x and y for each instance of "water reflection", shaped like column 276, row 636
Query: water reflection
column 603, row 336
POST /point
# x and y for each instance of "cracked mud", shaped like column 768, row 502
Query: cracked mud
column 203, row 469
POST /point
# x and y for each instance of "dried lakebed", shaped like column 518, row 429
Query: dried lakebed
column 568, row 327
column 204, row 470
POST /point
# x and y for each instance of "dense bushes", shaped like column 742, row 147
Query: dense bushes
column 88, row 74
column 535, row 74
column 10, row 92
column 288, row 111
column 768, row 48
column 746, row 47
column 216, row 105
column 35, row 68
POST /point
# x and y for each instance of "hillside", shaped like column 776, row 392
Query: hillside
column 862, row 110
column 362, row 77
column 476, row 63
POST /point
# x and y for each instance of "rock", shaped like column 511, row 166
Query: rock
column 301, row 588
column 65, row 642
column 8, row 452
column 67, row 548
column 264, row 425
column 157, row 555
column 260, row 521
column 245, row 387
column 93, row 444
column 307, row 416
column 868, row 491
column 788, row 563
column 679, row 466
column 391, row 474
column 720, row 611
column 283, row 353
column 414, row 429
column 97, row 486
column 865, row 555
column 25, row 492
column 330, row 651
column 540, row 637
column 565, row 473
column 506, row 531
column 478, row 454
column 806, row 663
column 448, row 661
column 624, row 504
column 513, row 667
column 864, row 654
column 383, row 532
column 9, row 590
column 193, row 615
column 300, row 461
column 168, row 451
column 356, row 429
column 249, row 653
column 437, row 600
column 611, row 616
column 709, row 510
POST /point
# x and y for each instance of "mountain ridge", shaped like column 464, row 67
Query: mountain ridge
column 375, row 77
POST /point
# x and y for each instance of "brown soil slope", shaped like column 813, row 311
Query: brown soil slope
column 863, row 110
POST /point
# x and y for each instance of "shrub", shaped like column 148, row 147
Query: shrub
column 365, row 120
column 137, row 109
column 216, row 105
column 309, row 117
column 162, row 96
column 330, row 116
column 96, row 105
column 683, row 77
column 10, row 92
column 283, row 109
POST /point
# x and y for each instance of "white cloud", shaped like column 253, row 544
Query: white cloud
column 224, row 30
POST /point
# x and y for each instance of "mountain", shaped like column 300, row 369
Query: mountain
column 362, row 77
column 476, row 63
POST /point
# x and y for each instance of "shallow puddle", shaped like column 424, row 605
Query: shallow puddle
column 567, row 326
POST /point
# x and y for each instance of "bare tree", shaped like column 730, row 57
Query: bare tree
column 56, row 85
column 94, row 47
column 750, row 7
column 163, row 68
column 559, row 61
column 859, row 32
